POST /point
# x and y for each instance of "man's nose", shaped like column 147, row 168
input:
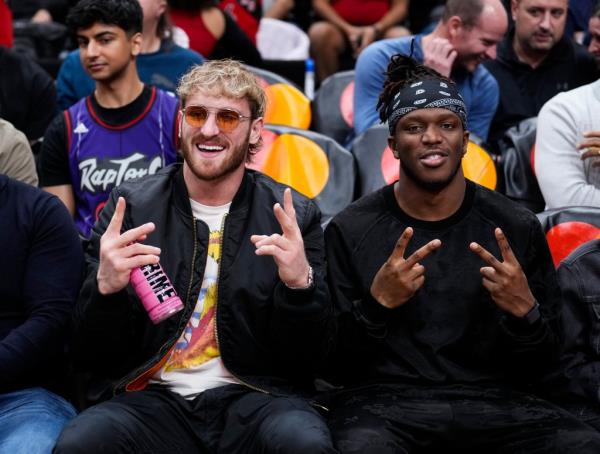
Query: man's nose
column 490, row 52
column 91, row 49
column 432, row 135
column 546, row 22
column 210, row 128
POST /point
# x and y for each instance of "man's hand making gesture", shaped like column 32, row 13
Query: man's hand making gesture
column 287, row 249
column 398, row 279
column 120, row 253
column 505, row 280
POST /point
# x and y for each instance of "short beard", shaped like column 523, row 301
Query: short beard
column 236, row 160
column 433, row 187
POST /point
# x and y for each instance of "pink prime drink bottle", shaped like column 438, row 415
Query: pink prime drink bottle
column 155, row 291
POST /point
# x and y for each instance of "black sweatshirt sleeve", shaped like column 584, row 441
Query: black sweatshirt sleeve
column 54, row 167
column 50, row 284
column 533, row 349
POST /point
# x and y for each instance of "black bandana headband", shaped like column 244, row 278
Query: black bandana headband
column 426, row 94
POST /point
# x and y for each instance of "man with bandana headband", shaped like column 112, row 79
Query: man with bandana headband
column 445, row 296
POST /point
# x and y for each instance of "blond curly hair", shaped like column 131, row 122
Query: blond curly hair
column 228, row 78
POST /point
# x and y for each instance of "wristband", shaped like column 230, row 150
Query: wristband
column 309, row 282
column 533, row 315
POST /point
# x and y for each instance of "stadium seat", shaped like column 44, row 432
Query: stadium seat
column 568, row 228
column 333, row 107
column 377, row 166
column 311, row 163
column 517, row 150
column 286, row 104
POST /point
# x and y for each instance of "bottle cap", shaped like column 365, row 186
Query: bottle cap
column 309, row 64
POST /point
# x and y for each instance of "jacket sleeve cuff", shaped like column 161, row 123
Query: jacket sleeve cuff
column 304, row 303
column 106, row 304
column 373, row 311
column 520, row 328
column 372, row 315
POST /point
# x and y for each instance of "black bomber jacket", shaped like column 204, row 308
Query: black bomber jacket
column 272, row 338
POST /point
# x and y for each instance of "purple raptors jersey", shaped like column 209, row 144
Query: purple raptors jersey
column 102, row 156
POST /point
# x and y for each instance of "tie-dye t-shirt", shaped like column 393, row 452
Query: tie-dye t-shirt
column 195, row 364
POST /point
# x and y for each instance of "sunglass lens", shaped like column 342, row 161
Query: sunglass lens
column 196, row 116
column 227, row 120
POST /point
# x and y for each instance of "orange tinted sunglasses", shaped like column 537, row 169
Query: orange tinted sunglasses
column 227, row 119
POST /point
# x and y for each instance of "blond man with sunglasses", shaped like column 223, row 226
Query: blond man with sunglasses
column 232, row 371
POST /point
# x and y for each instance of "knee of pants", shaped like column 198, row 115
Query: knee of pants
column 31, row 420
column 295, row 432
column 582, row 441
column 367, row 440
column 37, row 402
column 94, row 431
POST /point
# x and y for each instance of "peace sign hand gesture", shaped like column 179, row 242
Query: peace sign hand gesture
column 505, row 280
column 398, row 279
column 120, row 253
column 286, row 249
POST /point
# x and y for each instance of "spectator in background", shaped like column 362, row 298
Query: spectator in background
column 161, row 62
column 123, row 130
column 567, row 148
column 16, row 158
column 576, row 383
column 245, row 13
column 349, row 26
column 535, row 62
column 594, row 34
column 41, row 269
column 466, row 35
column 27, row 95
column 578, row 15
column 212, row 32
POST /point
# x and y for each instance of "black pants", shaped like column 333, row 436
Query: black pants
column 453, row 419
column 230, row 419
column 587, row 411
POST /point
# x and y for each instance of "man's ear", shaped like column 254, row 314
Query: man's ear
column 454, row 26
column 392, row 145
column 465, row 142
column 162, row 7
column 136, row 44
column 255, row 130
column 513, row 8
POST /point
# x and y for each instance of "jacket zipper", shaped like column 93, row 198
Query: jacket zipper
column 142, row 371
column 189, row 290
column 243, row 382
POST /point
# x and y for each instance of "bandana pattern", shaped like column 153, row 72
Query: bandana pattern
column 426, row 94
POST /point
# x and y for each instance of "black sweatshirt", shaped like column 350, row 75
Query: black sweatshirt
column 451, row 331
